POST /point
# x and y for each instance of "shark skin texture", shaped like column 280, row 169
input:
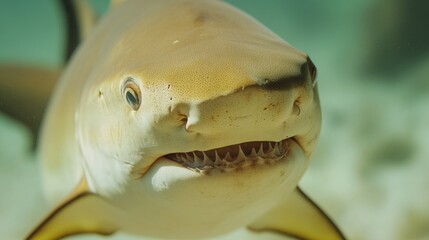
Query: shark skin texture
column 181, row 119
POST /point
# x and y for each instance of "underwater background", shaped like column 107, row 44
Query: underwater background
column 370, row 170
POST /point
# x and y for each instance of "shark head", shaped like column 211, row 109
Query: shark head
column 210, row 120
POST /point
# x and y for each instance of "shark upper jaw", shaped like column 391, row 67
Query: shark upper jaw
column 232, row 158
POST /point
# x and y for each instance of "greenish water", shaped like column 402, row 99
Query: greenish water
column 369, row 170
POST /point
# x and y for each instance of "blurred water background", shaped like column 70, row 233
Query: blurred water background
column 370, row 169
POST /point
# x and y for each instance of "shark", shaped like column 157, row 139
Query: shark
column 182, row 119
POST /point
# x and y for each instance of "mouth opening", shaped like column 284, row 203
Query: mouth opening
column 233, row 157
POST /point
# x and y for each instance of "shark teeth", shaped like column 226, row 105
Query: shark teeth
column 232, row 157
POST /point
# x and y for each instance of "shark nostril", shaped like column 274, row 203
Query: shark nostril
column 183, row 118
column 296, row 107
column 312, row 70
column 178, row 114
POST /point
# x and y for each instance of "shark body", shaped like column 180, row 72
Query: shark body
column 181, row 119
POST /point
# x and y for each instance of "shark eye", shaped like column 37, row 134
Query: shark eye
column 132, row 94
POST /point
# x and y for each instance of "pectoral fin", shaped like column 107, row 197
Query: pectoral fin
column 84, row 213
column 24, row 93
column 298, row 217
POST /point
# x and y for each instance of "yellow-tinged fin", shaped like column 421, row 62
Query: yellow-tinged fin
column 298, row 217
column 80, row 20
column 25, row 91
column 86, row 17
column 81, row 212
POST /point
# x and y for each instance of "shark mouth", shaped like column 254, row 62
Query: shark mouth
column 233, row 157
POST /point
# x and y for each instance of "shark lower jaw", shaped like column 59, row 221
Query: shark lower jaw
column 240, row 193
column 233, row 157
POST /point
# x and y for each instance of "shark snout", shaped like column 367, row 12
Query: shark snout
column 270, row 109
